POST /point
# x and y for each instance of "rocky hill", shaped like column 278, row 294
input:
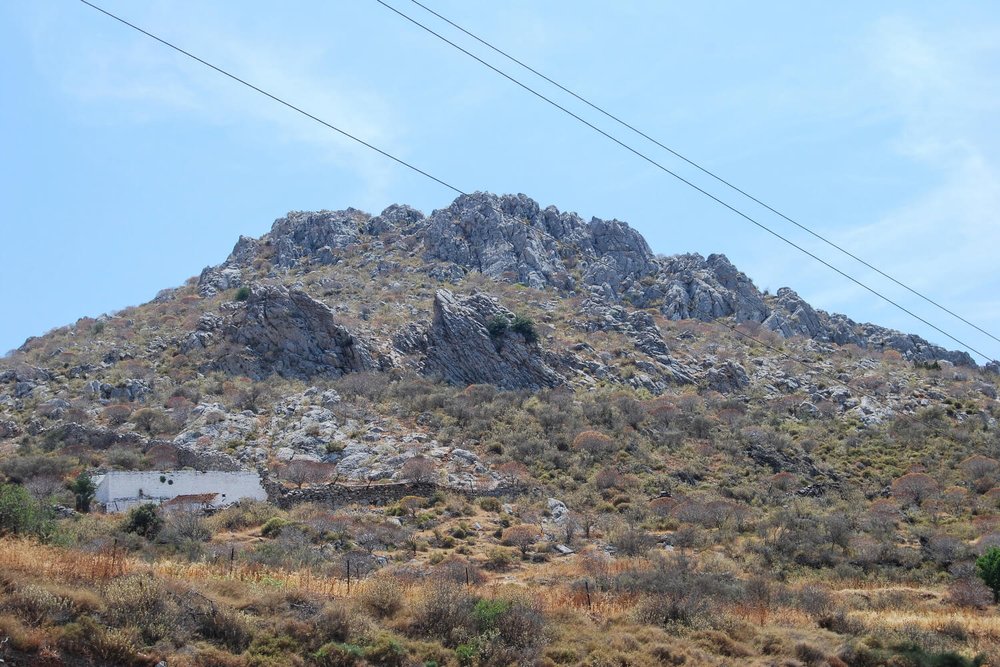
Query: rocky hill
column 489, row 291
column 512, row 239
column 507, row 418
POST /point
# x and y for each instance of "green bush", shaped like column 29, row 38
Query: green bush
column 337, row 654
column 385, row 650
column 143, row 520
column 273, row 526
column 526, row 327
column 988, row 567
column 497, row 326
column 268, row 650
column 20, row 514
column 242, row 294
column 487, row 613
column 489, row 504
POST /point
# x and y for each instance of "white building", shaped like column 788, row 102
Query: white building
column 120, row 490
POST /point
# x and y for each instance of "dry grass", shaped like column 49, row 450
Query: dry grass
column 979, row 629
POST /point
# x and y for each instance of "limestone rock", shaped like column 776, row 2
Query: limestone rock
column 396, row 217
column 727, row 377
column 706, row 289
column 460, row 349
column 511, row 238
column 214, row 280
column 9, row 429
column 794, row 317
column 303, row 234
column 283, row 331
column 212, row 423
column 558, row 511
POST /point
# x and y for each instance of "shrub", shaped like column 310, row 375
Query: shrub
column 444, row 613
column 242, row 294
column 108, row 646
column 497, row 326
column 34, row 605
column 381, row 596
column 337, row 654
column 385, row 650
column 523, row 537
column 143, row 520
column 117, row 414
column 273, row 526
column 305, row 472
column 419, row 469
column 498, row 560
column 231, row 628
column 524, row 326
column 971, row 593
column 914, row 488
column 487, row 612
column 489, row 504
column 333, row 623
column 267, row 650
column 632, row 541
column 594, row 443
column 20, row 514
column 244, row 514
column 141, row 603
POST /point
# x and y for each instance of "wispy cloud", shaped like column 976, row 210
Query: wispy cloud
column 129, row 78
column 939, row 87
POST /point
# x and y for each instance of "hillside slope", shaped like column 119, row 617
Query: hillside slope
column 599, row 444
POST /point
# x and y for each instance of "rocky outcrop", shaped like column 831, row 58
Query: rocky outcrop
column 127, row 391
column 511, row 238
column 460, row 348
column 501, row 237
column 315, row 235
column 727, row 377
column 285, row 331
column 792, row 316
column 706, row 289
column 641, row 330
column 9, row 429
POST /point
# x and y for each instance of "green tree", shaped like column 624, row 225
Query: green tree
column 143, row 520
column 20, row 514
column 83, row 489
column 988, row 567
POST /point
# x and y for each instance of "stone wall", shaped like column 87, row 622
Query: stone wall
column 337, row 495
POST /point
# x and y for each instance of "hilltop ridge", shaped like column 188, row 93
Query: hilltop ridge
column 511, row 238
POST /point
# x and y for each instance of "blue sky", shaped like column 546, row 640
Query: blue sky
column 126, row 168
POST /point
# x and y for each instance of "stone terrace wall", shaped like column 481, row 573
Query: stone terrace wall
column 337, row 495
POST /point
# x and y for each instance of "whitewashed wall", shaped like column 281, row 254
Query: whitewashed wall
column 119, row 491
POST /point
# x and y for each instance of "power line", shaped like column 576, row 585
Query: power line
column 704, row 170
column 733, row 328
column 680, row 178
column 275, row 98
column 458, row 190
